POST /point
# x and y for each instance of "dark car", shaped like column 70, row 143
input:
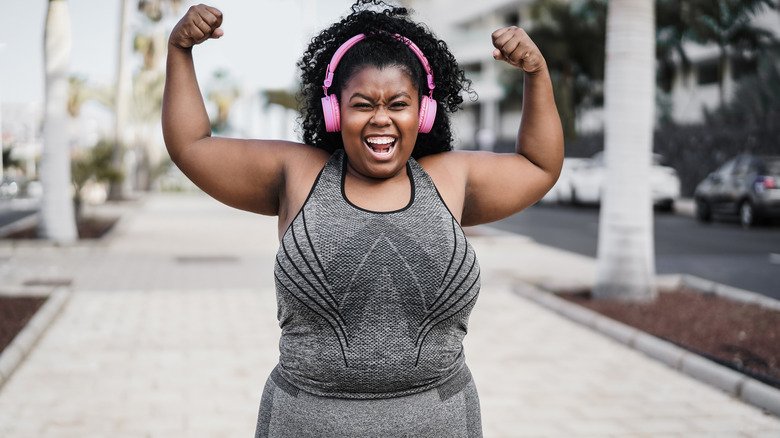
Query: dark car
column 747, row 186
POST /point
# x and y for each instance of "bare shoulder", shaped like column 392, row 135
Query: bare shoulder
column 449, row 172
column 302, row 168
column 450, row 162
column 303, row 156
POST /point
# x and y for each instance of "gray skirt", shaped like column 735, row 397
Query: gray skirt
column 451, row 411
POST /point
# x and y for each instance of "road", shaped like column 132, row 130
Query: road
column 14, row 210
column 721, row 252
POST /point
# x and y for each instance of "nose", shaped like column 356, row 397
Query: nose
column 380, row 117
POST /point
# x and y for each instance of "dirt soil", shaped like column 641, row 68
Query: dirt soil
column 88, row 228
column 15, row 313
column 745, row 337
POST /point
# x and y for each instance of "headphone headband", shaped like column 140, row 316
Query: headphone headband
column 334, row 61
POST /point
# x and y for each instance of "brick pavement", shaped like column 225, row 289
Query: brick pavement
column 171, row 331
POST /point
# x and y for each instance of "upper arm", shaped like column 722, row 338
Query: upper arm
column 245, row 174
column 499, row 185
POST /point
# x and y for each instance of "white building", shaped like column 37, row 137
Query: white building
column 467, row 25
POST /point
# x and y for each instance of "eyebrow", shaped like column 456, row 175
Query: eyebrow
column 393, row 97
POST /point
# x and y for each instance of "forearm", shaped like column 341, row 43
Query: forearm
column 540, row 138
column 184, row 117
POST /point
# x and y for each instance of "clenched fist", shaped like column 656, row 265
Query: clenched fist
column 200, row 23
column 514, row 46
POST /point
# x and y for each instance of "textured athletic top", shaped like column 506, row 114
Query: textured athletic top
column 373, row 304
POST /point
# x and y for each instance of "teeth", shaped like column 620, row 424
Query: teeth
column 380, row 140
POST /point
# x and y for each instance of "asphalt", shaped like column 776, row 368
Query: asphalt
column 168, row 328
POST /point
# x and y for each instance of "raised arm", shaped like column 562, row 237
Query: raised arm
column 498, row 185
column 246, row 174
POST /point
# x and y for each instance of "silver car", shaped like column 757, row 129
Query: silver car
column 747, row 186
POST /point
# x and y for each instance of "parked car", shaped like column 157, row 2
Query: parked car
column 587, row 182
column 561, row 191
column 9, row 188
column 747, row 186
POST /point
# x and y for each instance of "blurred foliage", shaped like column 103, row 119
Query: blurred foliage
column 93, row 164
column 8, row 161
column 571, row 35
column 749, row 123
column 155, row 10
column 725, row 23
column 283, row 98
column 223, row 92
column 757, row 102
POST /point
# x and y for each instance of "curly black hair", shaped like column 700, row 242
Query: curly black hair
column 380, row 22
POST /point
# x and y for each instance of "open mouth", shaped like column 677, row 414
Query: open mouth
column 381, row 146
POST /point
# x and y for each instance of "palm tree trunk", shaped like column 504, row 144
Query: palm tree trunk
column 57, row 222
column 626, row 261
column 723, row 75
column 115, row 189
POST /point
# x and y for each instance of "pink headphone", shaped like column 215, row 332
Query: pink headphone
column 330, row 104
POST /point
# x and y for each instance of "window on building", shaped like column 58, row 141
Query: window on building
column 742, row 67
column 707, row 72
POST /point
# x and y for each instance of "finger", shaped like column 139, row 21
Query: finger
column 495, row 35
column 194, row 33
column 502, row 39
column 216, row 13
column 203, row 26
column 497, row 55
column 212, row 16
column 510, row 48
column 218, row 33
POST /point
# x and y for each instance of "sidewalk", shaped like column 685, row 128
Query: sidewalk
column 171, row 331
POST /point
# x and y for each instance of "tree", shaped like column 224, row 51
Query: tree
column 57, row 217
column 223, row 92
column 115, row 191
column 153, row 11
column 93, row 164
column 571, row 36
column 728, row 24
column 626, row 263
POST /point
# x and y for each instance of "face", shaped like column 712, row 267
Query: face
column 379, row 121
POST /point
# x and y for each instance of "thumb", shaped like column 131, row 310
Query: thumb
column 497, row 55
column 218, row 33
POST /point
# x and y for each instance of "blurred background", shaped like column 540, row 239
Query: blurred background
column 717, row 89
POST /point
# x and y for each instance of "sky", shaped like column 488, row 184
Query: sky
column 263, row 40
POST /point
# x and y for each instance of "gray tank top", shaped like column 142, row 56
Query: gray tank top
column 373, row 304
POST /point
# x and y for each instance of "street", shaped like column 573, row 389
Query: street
column 723, row 252
column 12, row 211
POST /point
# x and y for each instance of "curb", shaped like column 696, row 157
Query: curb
column 732, row 293
column 19, row 224
column 748, row 390
column 22, row 344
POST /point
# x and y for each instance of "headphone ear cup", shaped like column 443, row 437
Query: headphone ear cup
column 330, row 111
column 427, row 114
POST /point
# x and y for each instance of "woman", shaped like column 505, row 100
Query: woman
column 375, row 279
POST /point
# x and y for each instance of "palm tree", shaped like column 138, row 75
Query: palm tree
column 58, row 221
column 223, row 92
column 571, row 36
column 153, row 10
column 727, row 23
column 626, row 263
column 115, row 190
